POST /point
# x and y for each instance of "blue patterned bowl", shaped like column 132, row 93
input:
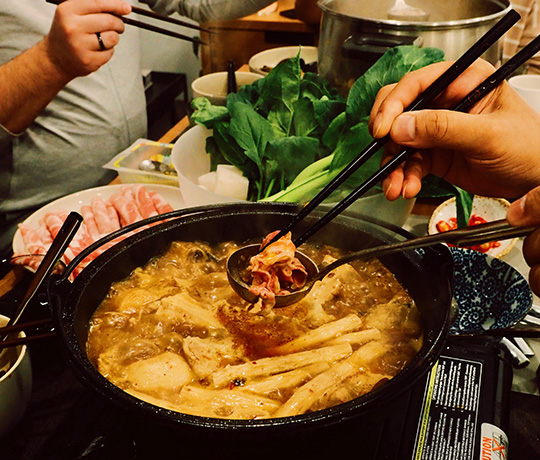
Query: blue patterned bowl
column 490, row 294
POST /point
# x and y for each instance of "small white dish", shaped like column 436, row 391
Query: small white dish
column 488, row 208
column 261, row 63
column 528, row 86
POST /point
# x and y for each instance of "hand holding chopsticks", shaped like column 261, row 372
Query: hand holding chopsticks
column 423, row 101
column 153, row 28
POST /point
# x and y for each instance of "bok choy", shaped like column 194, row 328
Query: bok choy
column 292, row 133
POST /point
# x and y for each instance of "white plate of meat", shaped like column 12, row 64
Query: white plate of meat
column 104, row 210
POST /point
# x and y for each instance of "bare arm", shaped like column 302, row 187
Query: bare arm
column 71, row 49
column 208, row 10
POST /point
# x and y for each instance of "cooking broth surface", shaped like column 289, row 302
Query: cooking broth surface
column 176, row 335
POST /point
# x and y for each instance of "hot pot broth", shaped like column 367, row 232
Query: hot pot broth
column 176, row 335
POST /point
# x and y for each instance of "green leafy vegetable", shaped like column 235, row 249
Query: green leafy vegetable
column 291, row 134
column 433, row 186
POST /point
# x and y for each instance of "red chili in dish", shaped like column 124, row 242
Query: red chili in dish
column 451, row 224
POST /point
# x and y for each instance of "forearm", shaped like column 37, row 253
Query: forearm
column 208, row 10
column 29, row 83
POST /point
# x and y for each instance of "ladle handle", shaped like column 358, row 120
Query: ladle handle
column 58, row 246
column 469, row 236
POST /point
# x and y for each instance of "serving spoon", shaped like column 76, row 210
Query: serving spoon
column 239, row 260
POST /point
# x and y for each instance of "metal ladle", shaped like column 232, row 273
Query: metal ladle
column 469, row 236
column 403, row 12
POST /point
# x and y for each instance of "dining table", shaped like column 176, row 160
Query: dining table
column 65, row 421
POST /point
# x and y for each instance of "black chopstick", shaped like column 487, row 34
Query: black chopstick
column 422, row 101
column 231, row 78
column 159, row 30
column 26, row 340
column 152, row 14
column 29, row 326
column 495, row 79
column 143, row 25
column 25, row 326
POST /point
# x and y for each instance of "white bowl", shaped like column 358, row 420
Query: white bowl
column 191, row 161
column 261, row 63
column 213, row 86
column 489, row 208
column 15, row 384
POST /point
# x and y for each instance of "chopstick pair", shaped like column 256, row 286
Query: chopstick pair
column 31, row 325
column 422, row 102
column 151, row 14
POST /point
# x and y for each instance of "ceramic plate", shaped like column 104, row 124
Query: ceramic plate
column 74, row 202
column 489, row 208
column 490, row 294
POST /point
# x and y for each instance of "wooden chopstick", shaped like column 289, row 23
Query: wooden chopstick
column 29, row 326
column 422, row 101
column 24, row 326
column 143, row 25
column 25, row 340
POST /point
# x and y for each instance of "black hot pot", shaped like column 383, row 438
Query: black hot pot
column 427, row 275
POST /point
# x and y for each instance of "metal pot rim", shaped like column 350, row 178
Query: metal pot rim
column 324, row 5
column 65, row 321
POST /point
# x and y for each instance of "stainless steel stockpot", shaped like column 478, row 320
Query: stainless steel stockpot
column 355, row 33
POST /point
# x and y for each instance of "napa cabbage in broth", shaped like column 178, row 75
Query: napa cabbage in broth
column 176, row 335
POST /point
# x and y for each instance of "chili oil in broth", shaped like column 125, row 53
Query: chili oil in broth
column 176, row 335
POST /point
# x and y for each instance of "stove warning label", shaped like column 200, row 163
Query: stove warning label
column 494, row 443
column 448, row 426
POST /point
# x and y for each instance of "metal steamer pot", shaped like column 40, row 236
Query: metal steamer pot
column 426, row 274
column 355, row 33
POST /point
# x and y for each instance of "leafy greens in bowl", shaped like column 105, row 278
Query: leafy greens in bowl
column 292, row 133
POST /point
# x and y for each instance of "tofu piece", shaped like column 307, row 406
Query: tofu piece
column 165, row 372
column 208, row 181
column 226, row 180
column 182, row 309
column 209, row 354
column 231, row 182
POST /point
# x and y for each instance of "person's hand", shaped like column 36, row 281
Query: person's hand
column 72, row 43
column 525, row 212
column 493, row 150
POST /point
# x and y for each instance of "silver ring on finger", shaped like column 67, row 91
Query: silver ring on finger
column 100, row 41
